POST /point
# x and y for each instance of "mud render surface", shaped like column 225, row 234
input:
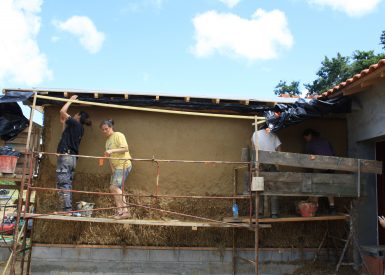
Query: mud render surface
column 171, row 137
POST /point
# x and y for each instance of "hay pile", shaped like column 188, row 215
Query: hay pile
column 64, row 232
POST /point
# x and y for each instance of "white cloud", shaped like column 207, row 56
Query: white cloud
column 83, row 28
column 260, row 37
column 350, row 7
column 230, row 3
column 21, row 61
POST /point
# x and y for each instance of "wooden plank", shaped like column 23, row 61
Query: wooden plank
column 156, row 110
column 17, row 140
column 10, row 177
column 309, row 184
column 137, row 221
column 320, row 162
column 341, row 217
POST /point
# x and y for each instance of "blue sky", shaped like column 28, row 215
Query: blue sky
column 214, row 48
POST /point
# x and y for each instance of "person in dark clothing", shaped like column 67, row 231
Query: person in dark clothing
column 315, row 145
column 68, row 146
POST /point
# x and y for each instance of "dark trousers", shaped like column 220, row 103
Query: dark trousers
column 64, row 176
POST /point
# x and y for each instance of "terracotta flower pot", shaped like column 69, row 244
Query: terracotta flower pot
column 307, row 209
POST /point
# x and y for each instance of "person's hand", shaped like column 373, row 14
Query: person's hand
column 74, row 97
column 107, row 153
column 381, row 219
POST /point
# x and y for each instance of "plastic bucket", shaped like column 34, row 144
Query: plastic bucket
column 8, row 164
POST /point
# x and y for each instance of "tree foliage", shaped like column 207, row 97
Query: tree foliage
column 382, row 40
column 334, row 71
column 363, row 59
column 292, row 89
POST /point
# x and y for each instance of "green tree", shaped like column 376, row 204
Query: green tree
column 332, row 72
column 363, row 59
column 382, row 40
column 292, row 89
column 335, row 70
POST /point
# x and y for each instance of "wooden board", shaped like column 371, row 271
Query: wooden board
column 10, row 177
column 289, row 219
column 309, row 184
column 139, row 222
column 320, row 162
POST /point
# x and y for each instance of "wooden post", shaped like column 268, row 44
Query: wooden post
column 256, row 173
column 234, row 251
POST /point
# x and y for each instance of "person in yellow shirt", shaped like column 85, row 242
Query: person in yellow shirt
column 116, row 147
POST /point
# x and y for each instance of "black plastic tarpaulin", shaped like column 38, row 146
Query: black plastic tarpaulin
column 12, row 120
column 284, row 115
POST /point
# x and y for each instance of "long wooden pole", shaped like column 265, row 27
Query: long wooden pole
column 146, row 109
column 234, row 250
column 256, row 144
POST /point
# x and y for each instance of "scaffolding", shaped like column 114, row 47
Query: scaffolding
column 253, row 224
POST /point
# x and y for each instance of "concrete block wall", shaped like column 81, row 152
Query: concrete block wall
column 139, row 261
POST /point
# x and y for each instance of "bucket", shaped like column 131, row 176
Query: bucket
column 8, row 164
column 307, row 209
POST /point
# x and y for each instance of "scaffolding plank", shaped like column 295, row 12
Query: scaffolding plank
column 139, row 222
column 288, row 219
column 10, row 177
column 320, row 162
column 309, row 184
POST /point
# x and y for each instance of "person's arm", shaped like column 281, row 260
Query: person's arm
column 117, row 150
column 63, row 111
